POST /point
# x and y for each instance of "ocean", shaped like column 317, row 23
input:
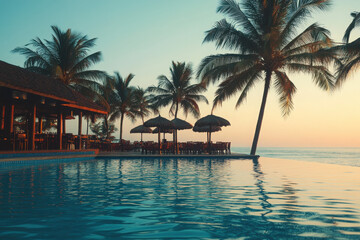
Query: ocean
column 341, row 156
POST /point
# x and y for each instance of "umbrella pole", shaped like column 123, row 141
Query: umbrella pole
column 177, row 145
column 141, row 137
column 159, row 142
column 174, row 142
column 210, row 141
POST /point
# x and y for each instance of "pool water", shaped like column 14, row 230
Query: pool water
column 176, row 199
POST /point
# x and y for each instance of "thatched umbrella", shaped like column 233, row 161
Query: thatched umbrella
column 156, row 130
column 160, row 122
column 211, row 121
column 179, row 125
column 141, row 129
column 206, row 129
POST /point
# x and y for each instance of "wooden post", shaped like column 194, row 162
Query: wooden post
column 59, row 129
column 9, row 126
column 2, row 117
column 32, row 128
column 9, row 122
column 80, row 129
column 64, row 125
column 40, row 124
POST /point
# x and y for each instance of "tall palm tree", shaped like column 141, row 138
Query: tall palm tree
column 65, row 57
column 107, row 97
column 142, row 105
column 349, row 51
column 178, row 92
column 267, row 45
column 124, row 104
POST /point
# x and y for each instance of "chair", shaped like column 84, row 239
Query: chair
column 22, row 142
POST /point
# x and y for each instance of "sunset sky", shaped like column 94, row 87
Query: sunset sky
column 143, row 37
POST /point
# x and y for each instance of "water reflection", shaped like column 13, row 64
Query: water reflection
column 171, row 198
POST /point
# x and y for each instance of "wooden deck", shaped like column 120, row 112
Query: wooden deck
column 132, row 155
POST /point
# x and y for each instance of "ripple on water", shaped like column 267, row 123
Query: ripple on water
column 177, row 199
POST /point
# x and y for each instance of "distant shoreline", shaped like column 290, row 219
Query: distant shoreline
column 349, row 156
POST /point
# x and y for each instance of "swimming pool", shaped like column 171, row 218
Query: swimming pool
column 154, row 198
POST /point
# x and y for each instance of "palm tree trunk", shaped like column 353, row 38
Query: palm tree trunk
column 261, row 113
column 159, row 142
column 87, row 126
column 142, row 118
column 106, row 126
column 209, row 142
column 176, row 149
column 121, row 126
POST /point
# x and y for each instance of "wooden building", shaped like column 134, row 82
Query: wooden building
column 35, row 97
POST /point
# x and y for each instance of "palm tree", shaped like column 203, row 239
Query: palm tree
column 142, row 104
column 177, row 91
column 107, row 97
column 124, row 103
column 103, row 130
column 350, row 52
column 65, row 57
column 266, row 43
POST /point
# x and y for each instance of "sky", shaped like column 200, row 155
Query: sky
column 143, row 37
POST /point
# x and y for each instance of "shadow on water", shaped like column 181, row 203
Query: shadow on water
column 172, row 198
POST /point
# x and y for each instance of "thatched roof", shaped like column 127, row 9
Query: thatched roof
column 159, row 122
column 20, row 79
column 141, row 129
column 207, row 129
column 212, row 120
column 181, row 124
column 167, row 130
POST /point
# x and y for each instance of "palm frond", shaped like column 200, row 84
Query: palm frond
column 320, row 74
column 198, row 98
column 354, row 23
column 86, row 62
column 255, row 78
column 190, row 106
column 34, row 59
column 233, row 10
column 164, row 82
column 233, row 84
column 321, row 57
column 95, row 75
column 286, row 89
column 225, row 35
column 349, row 50
column 345, row 70
column 312, row 34
column 91, row 85
column 157, row 90
column 214, row 67
column 299, row 11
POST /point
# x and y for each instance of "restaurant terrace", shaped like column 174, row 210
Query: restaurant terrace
column 33, row 98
